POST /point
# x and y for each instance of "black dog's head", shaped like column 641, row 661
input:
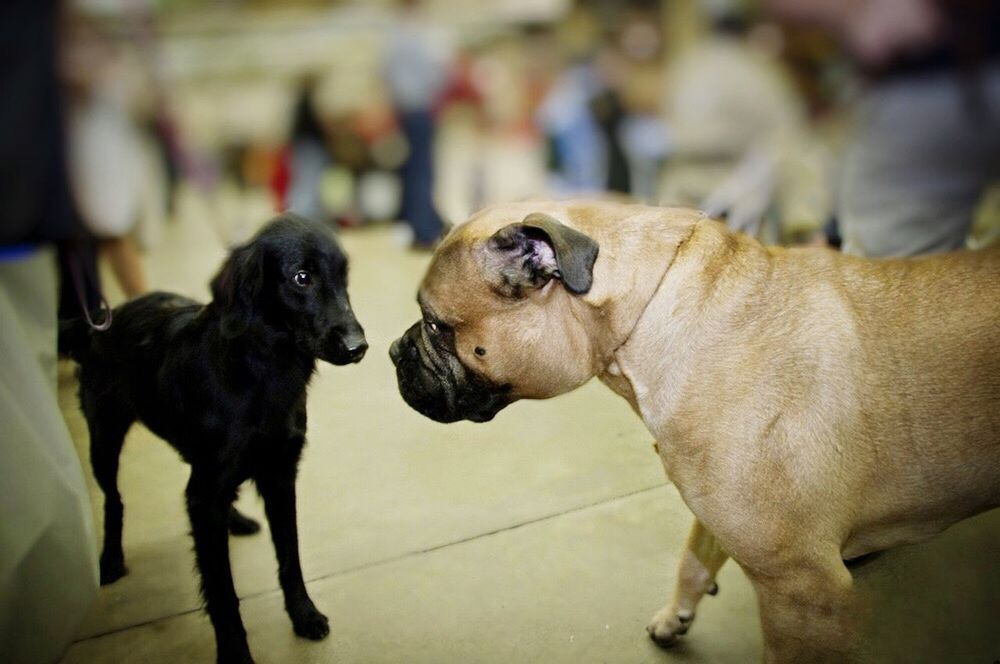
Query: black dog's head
column 290, row 282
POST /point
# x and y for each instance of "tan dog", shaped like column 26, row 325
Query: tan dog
column 809, row 406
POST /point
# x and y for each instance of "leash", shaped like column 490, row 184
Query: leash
column 77, row 274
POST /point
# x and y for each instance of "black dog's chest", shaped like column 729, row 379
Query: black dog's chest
column 223, row 418
column 253, row 429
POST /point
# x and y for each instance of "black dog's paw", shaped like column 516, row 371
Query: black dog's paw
column 240, row 525
column 239, row 656
column 112, row 569
column 310, row 623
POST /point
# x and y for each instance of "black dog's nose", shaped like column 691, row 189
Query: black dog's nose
column 357, row 352
column 394, row 352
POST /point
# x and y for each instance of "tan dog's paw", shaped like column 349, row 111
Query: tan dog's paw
column 668, row 624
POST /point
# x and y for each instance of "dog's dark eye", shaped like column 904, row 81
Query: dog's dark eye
column 302, row 278
column 480, row 351
column 432, row 326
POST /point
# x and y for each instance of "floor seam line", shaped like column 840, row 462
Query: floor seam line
column 393, row 559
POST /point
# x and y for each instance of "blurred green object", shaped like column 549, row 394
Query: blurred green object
column 337, row 190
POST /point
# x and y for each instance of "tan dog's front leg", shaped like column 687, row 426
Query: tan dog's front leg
column 700, row 562
column 808, row 613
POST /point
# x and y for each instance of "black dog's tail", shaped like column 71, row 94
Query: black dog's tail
column 74, row 338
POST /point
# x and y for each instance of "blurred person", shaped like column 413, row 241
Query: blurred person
column 309, row 157
column 610, row 114
column 730, row 113
column 578, row 146
column 464, row 125
column 105, row 151
column 158, row 137
column 163, row 133
column 48, row 555
column 636, row 71
column 646, row 143
column 578, row 152
column 926, row 136
column 416, row 66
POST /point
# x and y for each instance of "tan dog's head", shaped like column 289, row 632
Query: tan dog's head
column 498, row 318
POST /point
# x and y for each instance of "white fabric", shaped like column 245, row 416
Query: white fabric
column 106, row 165
column 48, row 556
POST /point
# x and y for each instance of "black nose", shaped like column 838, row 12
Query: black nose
column 358, row 351
column 394, row 352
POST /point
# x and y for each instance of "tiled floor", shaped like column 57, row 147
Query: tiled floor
column 548, row 535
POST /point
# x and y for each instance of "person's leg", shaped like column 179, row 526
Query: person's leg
column 309, row 161
column 406, row 170
column 126, row 264
column 48, row 555
column 418, row 176
column 918, row 164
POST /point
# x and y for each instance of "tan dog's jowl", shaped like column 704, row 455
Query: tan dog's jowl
column 810, row 407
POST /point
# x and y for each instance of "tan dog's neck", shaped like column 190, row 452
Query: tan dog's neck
column 690, row 303
column 644, row 246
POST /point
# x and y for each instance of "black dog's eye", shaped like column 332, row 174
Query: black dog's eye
column 302, row 279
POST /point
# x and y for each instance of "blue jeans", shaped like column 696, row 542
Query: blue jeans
column 418, row 176
column 309, row 161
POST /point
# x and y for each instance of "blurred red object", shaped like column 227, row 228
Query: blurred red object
column 281, row 177
column 462, row 88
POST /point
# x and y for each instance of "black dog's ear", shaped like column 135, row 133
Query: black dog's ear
column 236, row 288
column 541, row 248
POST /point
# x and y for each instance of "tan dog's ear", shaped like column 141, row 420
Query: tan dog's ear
column 541, row 248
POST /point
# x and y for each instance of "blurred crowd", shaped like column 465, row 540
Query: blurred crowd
column 871, row 125
column 781, row 117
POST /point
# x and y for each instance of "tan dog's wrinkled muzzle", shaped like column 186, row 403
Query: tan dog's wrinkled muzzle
column 514, row 263
column 439, row 386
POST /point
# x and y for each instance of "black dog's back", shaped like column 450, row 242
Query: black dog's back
column 130, row 366
column 144, row 319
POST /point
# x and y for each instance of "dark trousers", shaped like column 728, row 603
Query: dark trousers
column 418, row 176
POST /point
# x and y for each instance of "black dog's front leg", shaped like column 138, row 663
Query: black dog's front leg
column 277, row 488
column 208, row 508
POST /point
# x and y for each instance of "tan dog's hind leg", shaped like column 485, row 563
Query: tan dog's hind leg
column 700, row 562
column 808, row 613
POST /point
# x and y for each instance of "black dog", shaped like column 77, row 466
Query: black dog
column 225, row 384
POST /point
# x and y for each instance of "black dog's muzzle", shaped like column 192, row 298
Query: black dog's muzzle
column 345, row 345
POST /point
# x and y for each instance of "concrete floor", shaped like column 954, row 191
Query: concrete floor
column 548, row 535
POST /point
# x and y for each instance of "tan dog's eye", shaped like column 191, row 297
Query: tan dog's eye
column 480, row 351
column 432, row 326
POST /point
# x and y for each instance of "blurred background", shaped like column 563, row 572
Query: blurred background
column 347, row 111
column 148, row 137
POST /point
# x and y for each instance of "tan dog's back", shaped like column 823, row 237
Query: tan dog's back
column 929, row 390
column 875, row 385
